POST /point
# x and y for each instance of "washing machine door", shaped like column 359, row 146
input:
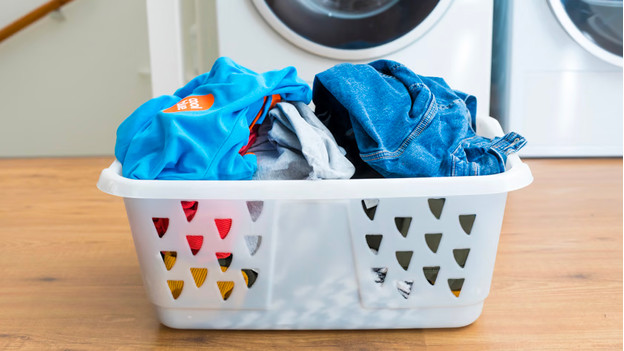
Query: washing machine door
column 596, row 25
column 351, row 29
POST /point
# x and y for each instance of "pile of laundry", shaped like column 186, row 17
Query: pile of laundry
column 370, row 120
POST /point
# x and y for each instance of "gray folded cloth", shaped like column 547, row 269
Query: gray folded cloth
column 293, row 143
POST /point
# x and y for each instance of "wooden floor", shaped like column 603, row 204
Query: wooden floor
column 70, row 276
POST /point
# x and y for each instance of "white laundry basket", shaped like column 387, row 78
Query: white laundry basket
column 329, row 254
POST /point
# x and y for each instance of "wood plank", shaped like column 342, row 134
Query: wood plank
column 72, row 281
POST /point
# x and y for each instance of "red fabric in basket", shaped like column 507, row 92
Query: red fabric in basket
column 161, row 224
column 190, row 208
column 195, row 243
column 223, row 254
column 223, row 226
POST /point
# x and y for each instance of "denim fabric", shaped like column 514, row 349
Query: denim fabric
column 293, row 144
column 406, row 125
column 197, row 132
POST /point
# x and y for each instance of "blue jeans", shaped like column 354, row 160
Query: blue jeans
column 405, row 125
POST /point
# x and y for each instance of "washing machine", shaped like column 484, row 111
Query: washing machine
column 445, row 38
column 557, row 75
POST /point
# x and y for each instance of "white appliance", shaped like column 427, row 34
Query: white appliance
column 446, row 38
column 557, row 75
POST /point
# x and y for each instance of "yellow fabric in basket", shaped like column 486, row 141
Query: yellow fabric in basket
column 169, row 257
column 176, row 287
column 199, row 275
column 225, row 288
column 245, row 277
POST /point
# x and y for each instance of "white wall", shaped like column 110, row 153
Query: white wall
column 65, row 85
column 10, row 10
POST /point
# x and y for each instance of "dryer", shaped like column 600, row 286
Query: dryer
column 445, row 38
column 557, row 75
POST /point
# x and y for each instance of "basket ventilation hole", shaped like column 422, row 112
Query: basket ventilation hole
column 161, row 225
column 466, row 222
column 461, row 255
column 374, row 241
column 379, row 274
column 253, row 243
column 403, row 224
column 225, row 288
column 456, row 285
column 255, row 209
column 225, row 259
column 431, row 274
column 370, row 207
column 436, row 206
column 176, row 287
column 404, row 258
column 199, row 275
column 405, row 287
column 223, row 226
column 433, row 241
column 190, row 209
column 250, row 276
column 195, row 243
column 169, row 258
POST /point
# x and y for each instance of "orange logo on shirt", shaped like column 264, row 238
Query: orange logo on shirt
column 193, row 103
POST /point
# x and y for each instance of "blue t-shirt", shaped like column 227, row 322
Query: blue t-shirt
column 197, row 132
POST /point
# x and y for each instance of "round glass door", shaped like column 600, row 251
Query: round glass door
column 595, row 24
column 351, row 29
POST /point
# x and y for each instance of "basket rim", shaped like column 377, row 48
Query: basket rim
column 517, row 176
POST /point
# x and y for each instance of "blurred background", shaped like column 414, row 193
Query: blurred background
column 72, row 71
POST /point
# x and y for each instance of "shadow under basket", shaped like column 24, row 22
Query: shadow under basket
column 331, row 254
